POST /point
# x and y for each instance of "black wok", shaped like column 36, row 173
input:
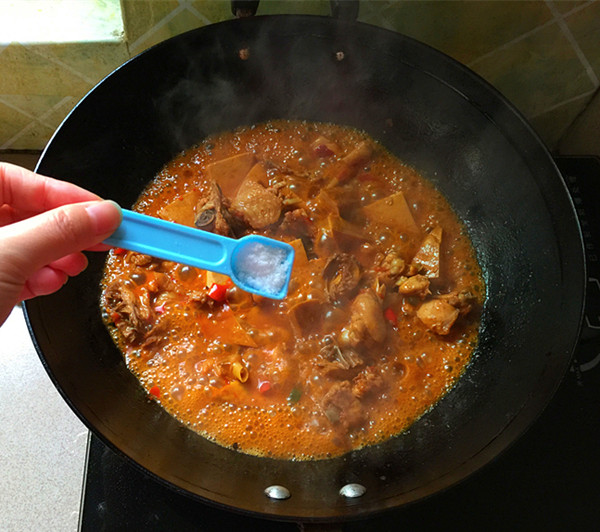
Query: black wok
column 434, row 114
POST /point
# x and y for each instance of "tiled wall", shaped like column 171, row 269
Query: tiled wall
column 544, row 55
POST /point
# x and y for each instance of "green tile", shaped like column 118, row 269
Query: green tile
column 464, row 30
column 59, row 112
column 92, row 60
column 141, row 15
column 585, row 27
column 537, row 72
column 214, row 10
column 564, row 6
column 11, row 122
column 181, row 22
column 553, row 124
column 34, row 105
column 23, row 71
column 33, row 138
column 583, row 137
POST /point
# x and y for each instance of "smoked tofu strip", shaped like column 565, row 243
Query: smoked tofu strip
column 393, row 212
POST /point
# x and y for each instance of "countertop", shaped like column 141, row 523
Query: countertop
column 42, row 442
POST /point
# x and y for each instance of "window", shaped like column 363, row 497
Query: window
column 59, row 21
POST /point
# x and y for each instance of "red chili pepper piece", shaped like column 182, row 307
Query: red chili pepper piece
column 264, row 386
column 323, row 151
column 390, row 315
column 218, row 291
column 115, row 317
column 155, row 391
column 119, row 251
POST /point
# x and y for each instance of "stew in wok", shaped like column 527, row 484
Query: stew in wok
column 382, row 313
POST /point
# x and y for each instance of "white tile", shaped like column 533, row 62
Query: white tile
column 42, row 442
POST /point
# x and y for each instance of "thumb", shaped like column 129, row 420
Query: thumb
column 31, row 244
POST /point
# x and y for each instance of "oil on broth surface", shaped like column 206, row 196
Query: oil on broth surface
column 382, row 314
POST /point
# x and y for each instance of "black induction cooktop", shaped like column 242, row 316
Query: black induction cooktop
column 548, row 480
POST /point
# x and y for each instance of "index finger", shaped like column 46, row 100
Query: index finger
column 23, row 189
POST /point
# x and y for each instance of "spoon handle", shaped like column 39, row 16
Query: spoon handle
column 172, row 241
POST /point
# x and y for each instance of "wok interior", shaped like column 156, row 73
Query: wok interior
column 430, row 112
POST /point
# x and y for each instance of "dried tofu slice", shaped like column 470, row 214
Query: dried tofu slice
column 300, row 257
column 258, row 173
column 181, row 210
column 229, row 173
column 323, row 204
column 227, row 329
column 359, row 155
column 393, row 212
column 345, row 233
column 338, row 234
column 428, row 256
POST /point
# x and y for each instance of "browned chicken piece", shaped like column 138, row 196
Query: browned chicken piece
column 211, row 213
column 140, row 259
column 131, row 314
column 366, row 383
column 417, row 285
column 342, row 274
column 342, row 407
column 160, row 282
column 463, row 300
column 390, row 267
column 427, row 259
column 393, row 263
column 367, row 322
column 331, row 352
column 202, row 298
column 297, row 223
column 437, row 315
column 257, row 205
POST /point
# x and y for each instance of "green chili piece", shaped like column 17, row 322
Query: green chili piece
column 295, row 395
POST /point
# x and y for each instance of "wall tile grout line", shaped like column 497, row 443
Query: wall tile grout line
column 526, row 34
column 508, row 44
column 48, row 56
column 22, row 111
column 133, row 47
column 577, row 49
column 581, row 96
column 18, row 135
column 39, row 120
column 189, row 7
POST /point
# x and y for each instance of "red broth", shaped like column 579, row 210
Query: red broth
column 382, row 314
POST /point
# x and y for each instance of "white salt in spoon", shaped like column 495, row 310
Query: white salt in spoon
column 255, row 263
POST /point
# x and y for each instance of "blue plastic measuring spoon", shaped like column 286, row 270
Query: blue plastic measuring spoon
column 255, row 263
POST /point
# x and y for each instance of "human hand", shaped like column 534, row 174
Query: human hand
column 44, row 225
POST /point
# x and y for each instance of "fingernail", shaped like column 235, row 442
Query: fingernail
column 106, row 216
